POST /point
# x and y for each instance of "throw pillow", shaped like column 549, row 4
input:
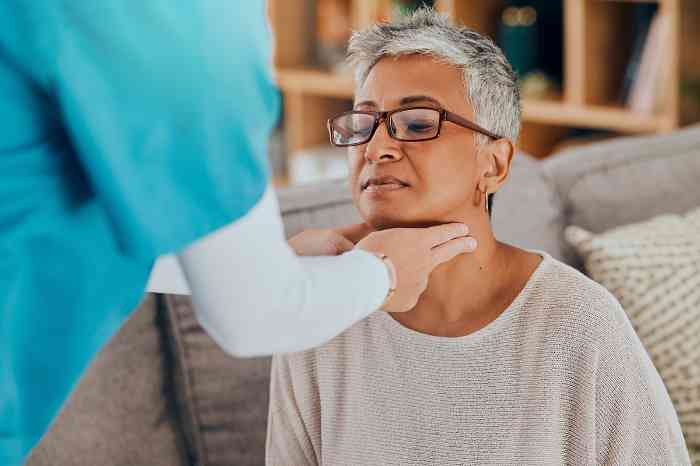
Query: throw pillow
column 653, row 268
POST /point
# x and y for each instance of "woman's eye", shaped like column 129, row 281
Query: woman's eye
column 362, row 131
column 418, row 127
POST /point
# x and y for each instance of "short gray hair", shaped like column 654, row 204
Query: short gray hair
column 490, row 82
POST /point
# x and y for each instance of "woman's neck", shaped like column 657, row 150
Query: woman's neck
column 463, row 294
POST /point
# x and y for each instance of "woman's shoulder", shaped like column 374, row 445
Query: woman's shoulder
column 573, row 303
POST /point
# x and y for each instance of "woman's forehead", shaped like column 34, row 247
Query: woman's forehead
column 394, row 81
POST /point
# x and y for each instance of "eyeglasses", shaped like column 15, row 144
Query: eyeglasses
column 412, row 124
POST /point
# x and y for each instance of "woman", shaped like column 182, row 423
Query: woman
column 509, row 357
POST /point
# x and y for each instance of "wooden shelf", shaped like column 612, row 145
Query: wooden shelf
column 590, row 116
column 556, row 112
column 596, row 40
column 316, row 82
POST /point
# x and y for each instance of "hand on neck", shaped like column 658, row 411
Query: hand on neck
column 460, row 292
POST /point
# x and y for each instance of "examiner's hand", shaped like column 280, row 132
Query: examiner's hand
column 412, row 254
column 320, row 243
column 328, row 242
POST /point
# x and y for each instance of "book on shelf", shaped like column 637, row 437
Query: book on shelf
column 643, row 15
column 648, row 88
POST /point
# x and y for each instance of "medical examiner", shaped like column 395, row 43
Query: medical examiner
column 129, row 130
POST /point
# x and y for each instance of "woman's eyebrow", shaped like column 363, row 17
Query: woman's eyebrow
column 411, row 99
column 419, row 98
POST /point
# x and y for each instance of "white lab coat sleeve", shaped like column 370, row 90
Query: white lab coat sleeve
column 254, row 296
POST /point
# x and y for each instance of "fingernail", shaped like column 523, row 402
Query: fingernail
column 471, row 244
column 463, row 229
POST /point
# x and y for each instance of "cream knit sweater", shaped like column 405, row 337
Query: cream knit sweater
column 559, row 377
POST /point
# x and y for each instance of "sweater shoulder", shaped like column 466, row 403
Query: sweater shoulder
column 576, row 305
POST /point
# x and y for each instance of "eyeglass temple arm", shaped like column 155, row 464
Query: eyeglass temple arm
column 454, row 118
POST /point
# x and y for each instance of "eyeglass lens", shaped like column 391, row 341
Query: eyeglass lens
column 413, row 124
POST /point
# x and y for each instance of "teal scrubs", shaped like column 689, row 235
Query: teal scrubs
column 128, row 129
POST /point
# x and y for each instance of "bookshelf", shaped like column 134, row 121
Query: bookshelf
column 596, row 46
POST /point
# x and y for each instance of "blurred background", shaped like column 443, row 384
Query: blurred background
column 589, row 69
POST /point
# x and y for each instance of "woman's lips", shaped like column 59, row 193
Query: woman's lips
column 383, row 184
column 381, row 188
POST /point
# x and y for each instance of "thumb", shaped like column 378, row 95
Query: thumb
column 449, row 250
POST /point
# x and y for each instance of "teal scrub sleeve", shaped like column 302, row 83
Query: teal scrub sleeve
column 129, row 130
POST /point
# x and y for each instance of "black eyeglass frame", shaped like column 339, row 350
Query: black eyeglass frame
column 380, row 117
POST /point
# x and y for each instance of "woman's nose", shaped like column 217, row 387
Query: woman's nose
column 382, row 148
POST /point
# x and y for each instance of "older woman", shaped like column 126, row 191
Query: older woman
column 509, row 357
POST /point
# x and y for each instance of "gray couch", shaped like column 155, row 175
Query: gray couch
column 161, row 392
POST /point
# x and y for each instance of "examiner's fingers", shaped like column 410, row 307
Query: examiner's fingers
column 451, row 249
column 343, row 245
column 354, row 233
column 443, row 233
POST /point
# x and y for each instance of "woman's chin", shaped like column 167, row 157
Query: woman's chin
column 385, row 222
column 383, row 217
column 398, row 214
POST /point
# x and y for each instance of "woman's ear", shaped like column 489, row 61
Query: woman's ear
column 498, row 157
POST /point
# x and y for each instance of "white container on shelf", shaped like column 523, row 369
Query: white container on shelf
column 317, row 163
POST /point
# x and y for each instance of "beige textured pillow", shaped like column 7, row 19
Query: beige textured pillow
column 653, row 268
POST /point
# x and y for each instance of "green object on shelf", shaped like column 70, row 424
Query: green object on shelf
column 690, row 88
column 517, row 32
column 690, row 96
column 406, row 7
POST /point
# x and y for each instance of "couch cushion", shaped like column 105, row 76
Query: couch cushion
column 526, row 211
column 222, row 400
column 653, row 268
column 317, row 205
column 120, row 412
column 626, row 180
